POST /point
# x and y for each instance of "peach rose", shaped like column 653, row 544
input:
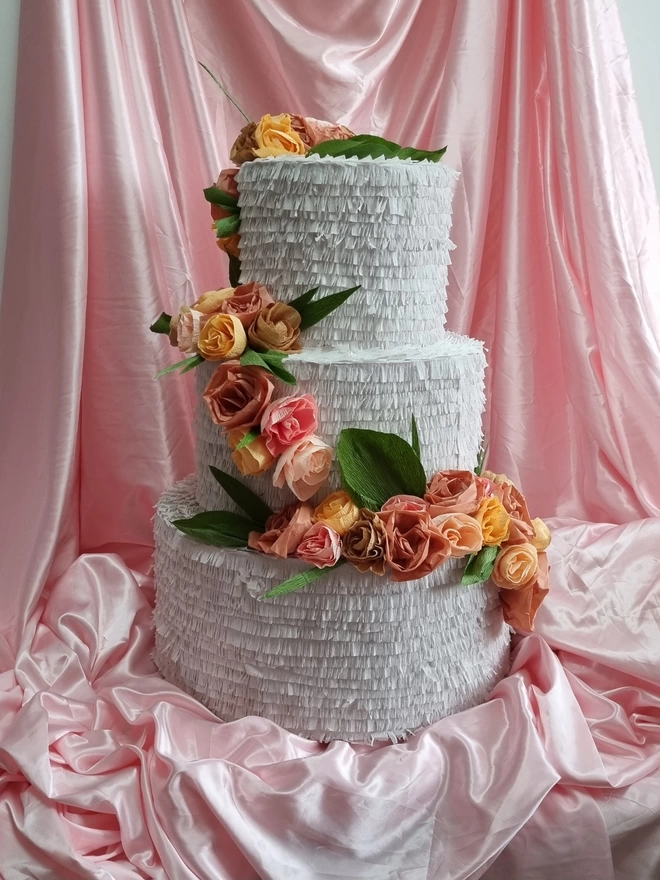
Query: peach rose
column 454, row 492
column 494, row 521
column 237, row 396
column 189, row 327
column 462, row 531
column 276, row 327
column 246, row 303
column 321, row 546
column 365, row 544
column 223, row 336
column 227, row 183
column 284, row 531
column 515, row 567
column 405, row 502
column 304, row 467
column 289, row 420
column 243, row 147
column 252, row 459
column 230, row 245
column 315, row 131
column 338, row 511
column 210, row 302
column 520, row 606
column 275, row 137
column 542, row 535
column 521, row 529
column 415, row 546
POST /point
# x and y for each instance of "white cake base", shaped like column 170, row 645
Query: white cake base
column 352, row 657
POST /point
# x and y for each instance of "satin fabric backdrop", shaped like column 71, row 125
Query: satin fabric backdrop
column 106, row 770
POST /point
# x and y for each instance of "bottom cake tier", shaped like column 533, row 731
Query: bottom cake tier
column 352, row 657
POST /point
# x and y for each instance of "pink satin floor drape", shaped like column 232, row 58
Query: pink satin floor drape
column 107, row 771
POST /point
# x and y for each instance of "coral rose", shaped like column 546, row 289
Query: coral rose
column 365, row 544
column 252, row 459
column 237, row 396
column 243, row 147
column 520, row 606
column 415, row 545
column 274, row 136
column 247, row 301
column 276, row 327
column 289, row 420
column 189, row 326
column 454, row 492
column 405, row 502
column 284, row 531
column 542, row 535
column 316, row 131
column 227, row 183
column 230, row 245
column 515, row 567
column 338, row 511
column 210, row 302
column 304, row 467
column 494, row 521
column 462, row 531
column 321, row 546
column 222, row 336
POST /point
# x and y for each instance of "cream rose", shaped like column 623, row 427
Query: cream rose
column 209, row 303
column 274, row 136
column 462, row 531
column 304, row 467
column 339, row 511
column 515, row 567
column 189, row 327
column 223, row 336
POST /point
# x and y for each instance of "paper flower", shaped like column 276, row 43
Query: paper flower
column 405, row 502
column 365, row 544
column 276, row 327
column 520, row 606
column 494, row 521
column 316, row 131
column 246, row 302
column 462, row 531
column 252, row 459
column 227, row 183
column 338, row 511
column 210, row 302
column 415, row 545
column 222, row 336
column 243, row 147
column 284, row 531
column 289, row 420
column 274, row 136
column 515, row 567
column 542, row 535
column 454, row 492
column 237, row 396
column 304, row 467
column 321, row 546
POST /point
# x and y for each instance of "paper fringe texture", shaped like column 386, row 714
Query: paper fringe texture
column 351, row 657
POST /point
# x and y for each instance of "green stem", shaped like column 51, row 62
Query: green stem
column 225, row 92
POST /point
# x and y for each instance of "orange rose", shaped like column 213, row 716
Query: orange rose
column 515, row 567
column 339, row 511
column 494, row 521
column 275, row 137
column 276, row 327
column 520, row 606
column 252, row 459
column 223, row 336
column 462, row 531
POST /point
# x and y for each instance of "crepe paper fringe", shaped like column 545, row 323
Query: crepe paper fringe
column 352, row 657
column 378, row 389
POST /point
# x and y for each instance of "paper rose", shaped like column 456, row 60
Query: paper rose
column 227, row 183
column 252, row 459
column 243, row 147
column 284, row 531
column 542, row 535
column 454, row 492
column 246, row 302
column 222, row 336
column 365, row 544
column 230, row 245
column 520, row 606
column 316, row 131
column 462, row 531
column 338, row 511
column 405, row 502
column 276, row 327
column 274, row 136
column 415, row 545
column 304, row 467
column 188, row 327
column 321, row 546
column 237, row 396
column 515, row 567
column 210, row 302
column 289, row 420
column 494, row 521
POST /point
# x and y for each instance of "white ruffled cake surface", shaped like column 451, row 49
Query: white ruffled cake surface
column 352, row 657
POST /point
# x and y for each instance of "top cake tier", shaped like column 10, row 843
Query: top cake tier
column 336, row 223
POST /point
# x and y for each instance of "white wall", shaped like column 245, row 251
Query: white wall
column 9, row 10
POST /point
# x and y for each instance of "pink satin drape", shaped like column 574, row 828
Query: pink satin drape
column 106, row 771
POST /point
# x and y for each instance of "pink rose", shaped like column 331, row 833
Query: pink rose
column 462, row 531
column 304, row 467
column 227, row 183
column 288, row 421
column 415, row 545
column 321, row 546
column 284, row 531
column 189, row 326
column 247, row 301
column 316, row 131
column 405, row 502
column 520, row 606
column 454, row 492
column 237, row 396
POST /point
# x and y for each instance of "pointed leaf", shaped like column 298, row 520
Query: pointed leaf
column 415, row 438
column 375, row 466
column 250, row 437
column 192, row 363
column 161, row 324
column 188, row 364
column 313, row 312
column 234, row 271
column 268, row 360
column 420, row 155
column 227, row 226
column 220, row 528
column 245, row 498
column 299, row 581
column 217, row 196
column 303, row 300
column 481, row 460
column 480, row 566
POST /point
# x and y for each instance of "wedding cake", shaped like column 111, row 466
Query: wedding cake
column 398, row 637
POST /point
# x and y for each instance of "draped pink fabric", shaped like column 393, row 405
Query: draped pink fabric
column 107, row 771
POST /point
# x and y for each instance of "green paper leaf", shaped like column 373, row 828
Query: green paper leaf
column 227, row 226
column 480, row 566
column 234, row 271
column 256, row 509
column 304, row 299
column 189, row 364
column 415, row 438
column 161, row 324
column 250, row 437
column 299, row 581
column 375, row 466
column 363, row 146
column 268, row 360
column 481, row 460
column 420, row 155
column 313, row 312
column 217, row 196
column 220, row 528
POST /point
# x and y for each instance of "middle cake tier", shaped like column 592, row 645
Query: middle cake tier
column 441, row 385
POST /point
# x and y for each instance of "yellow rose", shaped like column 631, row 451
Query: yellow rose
column 210, row 301
column 515, row 567
column 542, row 536
column 338, row 511
column 223, row 336
column 252, row 459
column 494, row 521
column 275, row 137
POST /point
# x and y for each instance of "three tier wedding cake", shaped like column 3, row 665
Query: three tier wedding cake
column 336, row 564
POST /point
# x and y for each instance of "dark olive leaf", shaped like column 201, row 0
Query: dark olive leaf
column 268, row 360
column 420, row 155
column 234, row 271
column 192, row 363
column 245, row 498
column 227, row 226
column 304, row 298
column 161, row 324
column 481, row 460
column 415, row 438
column 299, row 581
column 217, row 196
column 220, row 528
column 313, row 312
column 480, row 566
